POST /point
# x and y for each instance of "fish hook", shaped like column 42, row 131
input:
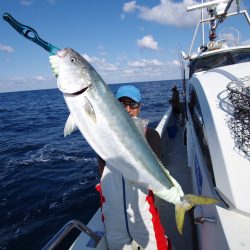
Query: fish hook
column 29, row 33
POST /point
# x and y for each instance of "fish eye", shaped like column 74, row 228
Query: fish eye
column 72, row 59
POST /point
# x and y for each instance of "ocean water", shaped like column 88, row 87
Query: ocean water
column 46, row 179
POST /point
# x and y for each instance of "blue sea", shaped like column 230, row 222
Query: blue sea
column 46, row 179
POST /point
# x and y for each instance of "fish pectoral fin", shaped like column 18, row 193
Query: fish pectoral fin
column 189, row 201
column 70, row 126
column 88, row 108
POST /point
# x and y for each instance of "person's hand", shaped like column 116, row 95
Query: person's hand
column 177, row 186
column 54, row 65
column 172, row 195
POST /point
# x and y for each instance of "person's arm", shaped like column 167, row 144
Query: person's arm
column 154, row 140
column 101, row 164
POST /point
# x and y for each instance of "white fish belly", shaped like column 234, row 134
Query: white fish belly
column 113, row 139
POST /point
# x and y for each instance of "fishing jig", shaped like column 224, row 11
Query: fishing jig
column 30, row 34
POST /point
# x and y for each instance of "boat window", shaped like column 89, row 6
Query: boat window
column 241, row 57
column 199, row 127
column 209, row 62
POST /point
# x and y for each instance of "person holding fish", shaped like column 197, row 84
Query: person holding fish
column 129, row 214
column 100, row 118
column 133, row 172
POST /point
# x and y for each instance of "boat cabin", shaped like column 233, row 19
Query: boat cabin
column 210, row 60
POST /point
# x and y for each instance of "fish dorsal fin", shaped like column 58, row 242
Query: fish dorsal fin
column 166, row 172
column 70, row 126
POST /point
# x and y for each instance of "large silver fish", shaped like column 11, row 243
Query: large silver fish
column 111, row 132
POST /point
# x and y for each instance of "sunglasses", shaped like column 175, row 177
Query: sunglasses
column 131, row 104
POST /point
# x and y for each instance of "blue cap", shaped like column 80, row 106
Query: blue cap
column 129, row 91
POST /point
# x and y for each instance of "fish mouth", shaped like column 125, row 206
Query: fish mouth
column 62, row 53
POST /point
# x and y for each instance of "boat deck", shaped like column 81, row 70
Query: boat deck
column 174, row 157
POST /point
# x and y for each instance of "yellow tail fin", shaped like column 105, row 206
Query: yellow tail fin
column 189, row 201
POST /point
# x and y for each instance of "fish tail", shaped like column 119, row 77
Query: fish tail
column 189, row 201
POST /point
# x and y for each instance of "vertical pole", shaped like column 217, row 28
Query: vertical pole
column 202, row 25
column 238, row 5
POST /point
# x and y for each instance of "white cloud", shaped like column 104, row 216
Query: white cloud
column 108, row 67
column 101, row 51
column 22, row 83
column 148, row 42
column 137, row 64
column 122, row 57
column 246, row 42
column 90, row 59
column 29, row 79
column 39, row 78
column 125, row 71
column 134, row 70
column 129, row 7
column 145, row 63
column 30, row 2
column 100, row 63
column 168, row 12
column 26, row 2
column 176, row 63
column 6, row 48
column 147, row 70
column 129, row 71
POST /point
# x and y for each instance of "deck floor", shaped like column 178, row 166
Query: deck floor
column 175, row 159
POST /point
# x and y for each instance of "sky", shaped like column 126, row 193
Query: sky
column 125, row 41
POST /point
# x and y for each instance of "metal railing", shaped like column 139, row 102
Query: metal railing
column 64, row 231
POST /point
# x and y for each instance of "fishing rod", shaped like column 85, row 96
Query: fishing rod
column 30, row 34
